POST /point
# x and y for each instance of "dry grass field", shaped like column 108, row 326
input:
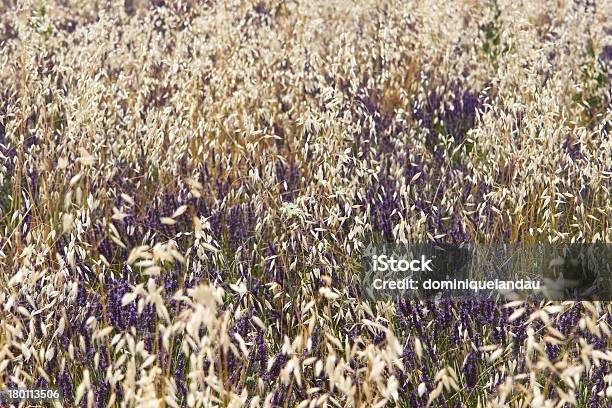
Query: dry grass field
column 186, row 188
